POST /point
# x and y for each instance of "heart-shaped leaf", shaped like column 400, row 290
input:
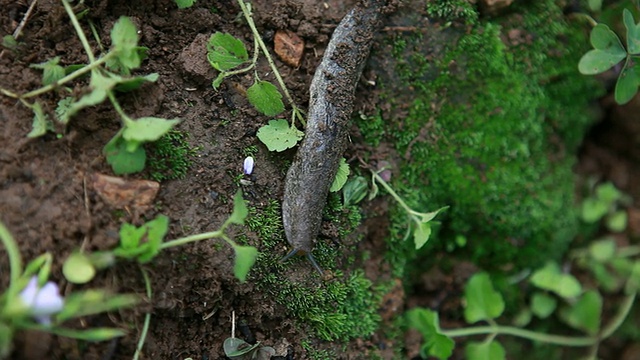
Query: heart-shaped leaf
column 608, row 51
column 627, row 85
column 633, row 32
column 482, row 301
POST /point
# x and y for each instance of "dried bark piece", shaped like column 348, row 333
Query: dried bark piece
column 289, row 47
column 122, row 193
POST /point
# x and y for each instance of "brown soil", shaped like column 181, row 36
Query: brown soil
column 47, row 202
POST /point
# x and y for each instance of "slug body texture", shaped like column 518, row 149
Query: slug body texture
column 332, row 95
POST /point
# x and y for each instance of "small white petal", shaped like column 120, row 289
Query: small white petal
column 248, row 165
column 28, row 294
column 48, row 301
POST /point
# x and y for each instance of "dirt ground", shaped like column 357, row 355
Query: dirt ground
column 47, row 202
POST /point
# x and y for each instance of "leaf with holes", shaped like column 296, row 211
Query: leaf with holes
column 279, row 136
column 225, row 52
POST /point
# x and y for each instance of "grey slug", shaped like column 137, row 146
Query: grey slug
column 332, row 94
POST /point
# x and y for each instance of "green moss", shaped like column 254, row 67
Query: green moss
column 340, row 308
column 450, row 10
column 490, row 131
column 170, row 157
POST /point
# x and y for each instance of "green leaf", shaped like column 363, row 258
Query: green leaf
column 608, row 51
column 606, row 280
column 245, row 258
column 482, row 302
column 41, row 122
column 121, row 160
column 100, row 85
column 240, row 210
column 426, row 217
column 225, row 52
column 62, row 110
column 585, row 314
column 183, row 4
column 617, row 221
column 421, row 234
column 354, row 190
column 128, row 84
column 593, row 210
column 124, row 41
column 608, row 193
column 279, row 136
column 595, row 5
column 90, row 302
column 491, row 350
column 93, row 334
column 130, row 236
column 543, row 305
column 551, row 278
column 51, row 71
column 341, row 176
column 603, row 250
column 147, row 129
column 523, row 318
column 156, row 229
column 265, row 97
column 633, row 32
column 627, row 85
column 633, row 283
column 9, row 42
column 78, row 268
column 427, row 323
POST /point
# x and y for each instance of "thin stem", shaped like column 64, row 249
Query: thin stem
column 15, row 262
column 192, row 238
column 522, row 333
column 390, row 191
column 628, row 251
column 69, row 77
column 256, row 35
column 147, row 317
column 615, row 323
column 76, row 25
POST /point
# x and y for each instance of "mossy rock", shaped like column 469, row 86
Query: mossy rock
column 497, row 111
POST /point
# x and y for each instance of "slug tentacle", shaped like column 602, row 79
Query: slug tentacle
column 332, row 94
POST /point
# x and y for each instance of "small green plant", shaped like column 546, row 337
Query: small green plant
column 142, row 244
column 33, row 302
column 109, row 74
column 608, row 52
column 605, row 204
column 552, row 292
column 226, row 53
column 419, row 222
column 183, row 4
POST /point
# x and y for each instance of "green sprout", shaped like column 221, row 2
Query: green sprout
column 226, row 53
column 109, row 74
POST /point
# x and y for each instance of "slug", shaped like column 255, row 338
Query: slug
column 332, row 94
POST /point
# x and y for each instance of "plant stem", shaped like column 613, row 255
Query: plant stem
column 68, row 78
column 522, row 333
column 388, row 188
column 76, row 25
column 192, row 238
column 615, row 323
column 256, row 35
column 15, row 262
column 147, row 317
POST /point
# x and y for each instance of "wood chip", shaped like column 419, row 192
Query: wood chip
column 289, row 47
column 122, row 193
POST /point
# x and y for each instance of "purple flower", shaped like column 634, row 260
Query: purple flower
column 248, row 165
column 42, row 302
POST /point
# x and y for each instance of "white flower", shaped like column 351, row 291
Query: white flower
column 43, row 302
column 248, row 165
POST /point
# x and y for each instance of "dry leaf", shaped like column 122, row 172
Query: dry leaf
column 289, row 47
column 121, row 193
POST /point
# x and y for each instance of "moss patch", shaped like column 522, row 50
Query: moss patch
column 170, row 157
column 492, row 127
column 340, row 308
